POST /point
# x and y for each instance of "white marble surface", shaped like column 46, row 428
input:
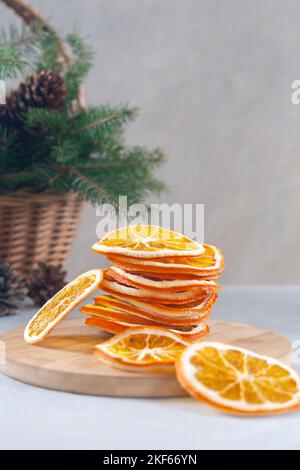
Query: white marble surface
column 34, row 418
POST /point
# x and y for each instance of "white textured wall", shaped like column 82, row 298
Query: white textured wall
column 212, row 79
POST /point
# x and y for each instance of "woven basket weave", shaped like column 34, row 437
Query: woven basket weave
column 37, row 227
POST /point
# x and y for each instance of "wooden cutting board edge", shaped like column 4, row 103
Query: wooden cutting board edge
column 64, row 361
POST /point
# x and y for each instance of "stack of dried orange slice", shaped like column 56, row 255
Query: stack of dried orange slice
column 158, row 278
column 160, row 292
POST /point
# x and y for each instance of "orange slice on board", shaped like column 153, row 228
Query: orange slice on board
column 236, row 380
column 142, row 349
column 177, row 298
column 62, row 303
column 209, row 264
column 147, row 241
column 134, row 280
column 193, row 334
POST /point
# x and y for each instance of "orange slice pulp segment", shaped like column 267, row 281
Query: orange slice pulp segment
column 55, row 310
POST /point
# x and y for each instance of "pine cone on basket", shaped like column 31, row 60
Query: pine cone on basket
column 43, row 90
column 12, row 291
column 44, row 282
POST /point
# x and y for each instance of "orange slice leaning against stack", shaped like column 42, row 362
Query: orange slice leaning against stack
column 58, row 307
column 159, row 278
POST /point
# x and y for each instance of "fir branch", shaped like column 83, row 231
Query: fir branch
column 47, row 118
column 104, row 118
column 65, row 150
column 18, row 175
column 73, row 149
column 90, row 190
column 78, row 68
column 14, row 181
column 65, row 178
column 49, row 57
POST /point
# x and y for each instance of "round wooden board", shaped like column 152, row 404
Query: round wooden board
column 65, row 361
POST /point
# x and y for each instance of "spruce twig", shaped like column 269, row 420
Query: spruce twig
column 89, row 188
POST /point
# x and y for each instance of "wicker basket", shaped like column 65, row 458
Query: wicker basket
column 37, row 227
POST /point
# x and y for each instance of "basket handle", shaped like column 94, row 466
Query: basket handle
column 31, row 16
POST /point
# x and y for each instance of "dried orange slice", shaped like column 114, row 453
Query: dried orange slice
column 192, row 334
column 143, row 318
column 198, row 312
column 173, row 276
column 115, row 314
column 141, row 313
column 147, row 241
column 136, row 306
column 110, row 325
column 209, row 264
column 236, row 380
column 55, row 310
column 178, row 298
column 151, row 349
column 133, row 280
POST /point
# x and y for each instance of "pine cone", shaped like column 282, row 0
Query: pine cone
column 43, row 90
column 11, row 291
column 44, row 282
